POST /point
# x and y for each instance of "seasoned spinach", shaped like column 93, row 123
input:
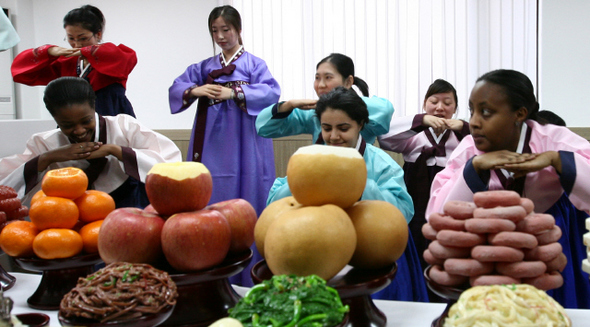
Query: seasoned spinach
column 290, row 301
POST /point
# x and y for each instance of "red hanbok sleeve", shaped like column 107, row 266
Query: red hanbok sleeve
column 37, row 67
column 116, row 61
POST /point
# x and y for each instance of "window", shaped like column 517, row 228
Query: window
column 398, row 46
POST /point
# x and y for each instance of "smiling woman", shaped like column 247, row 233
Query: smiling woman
column 115, row 152
column 106, row 66
column 343, row 115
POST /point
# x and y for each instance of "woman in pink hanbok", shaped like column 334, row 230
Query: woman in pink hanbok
column 509, row 149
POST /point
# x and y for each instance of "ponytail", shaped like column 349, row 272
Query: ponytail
column 345, row 67
column 362, row 85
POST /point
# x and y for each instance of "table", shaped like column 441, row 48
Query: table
column 399, row 313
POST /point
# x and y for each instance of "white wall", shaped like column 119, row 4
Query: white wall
column 167, row 36
column 170, row 35
column 565, row 60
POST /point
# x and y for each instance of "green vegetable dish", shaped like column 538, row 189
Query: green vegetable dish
column 290, row 301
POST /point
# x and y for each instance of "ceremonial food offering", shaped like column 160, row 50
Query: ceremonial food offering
column 174, row 187
column 312, row 186
column 120, row 291
column 288, row 300
column 506, row 305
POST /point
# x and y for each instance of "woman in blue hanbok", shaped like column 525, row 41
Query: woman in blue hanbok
column 232, row 88
column 294, row 117
column 343, row 115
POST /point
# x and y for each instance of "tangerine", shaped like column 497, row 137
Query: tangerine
column 69, row 182
column 57, row 243
column 89, row 235
column 54, row 212
column 16, row 238
column 94, row 205
column 37, row 196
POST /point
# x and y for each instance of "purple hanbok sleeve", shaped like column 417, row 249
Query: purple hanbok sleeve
column 178, row 92
column 263, row 89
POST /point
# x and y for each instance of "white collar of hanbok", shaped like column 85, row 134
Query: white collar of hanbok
column 83, row 68
column 519, row 148
column 437, row 138
column 227, row 62
column 97, row 127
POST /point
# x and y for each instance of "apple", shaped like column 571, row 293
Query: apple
column 174, row 187
column 242, row 217
column 196, row 240
column 130, row 235
column 150, row 209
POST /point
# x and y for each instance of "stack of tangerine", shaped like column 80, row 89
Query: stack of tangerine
column 65, row 218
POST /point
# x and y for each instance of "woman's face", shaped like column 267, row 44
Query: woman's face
column 76, row 122
column 225, row 35
column 79, row 37
column 338, row 129
column 328, row 78
column 442, row 105
column 493, row 124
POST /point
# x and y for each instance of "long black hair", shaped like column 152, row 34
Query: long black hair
column 518, row 88
column 341, row 98
column 66, row 91
column 88, row 17
column 345, row 67
column 230, row 15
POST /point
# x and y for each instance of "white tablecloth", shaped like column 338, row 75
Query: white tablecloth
column 400, row 314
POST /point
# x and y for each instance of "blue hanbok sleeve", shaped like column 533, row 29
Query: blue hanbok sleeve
column 385, row 181
column 380, row 113
column 8, row 35
column 263, row 89
column 271, row 124
column 177, row 93
column 280, row 189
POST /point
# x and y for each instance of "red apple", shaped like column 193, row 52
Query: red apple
column 242, row 217
column 196, row 240
column 150, row 209
column 130, row 235
column 174, row 187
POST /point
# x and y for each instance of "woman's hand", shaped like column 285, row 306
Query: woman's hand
column 106, row 150
column 305, row 104
column 76, row 151
column 212, row 91
column 540, row 161
column 225, row 94
column 438, row 124
column 455, row 124
column 65, row 52
column 499, row 159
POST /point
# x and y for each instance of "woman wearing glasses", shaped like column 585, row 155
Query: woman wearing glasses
column 104, row 65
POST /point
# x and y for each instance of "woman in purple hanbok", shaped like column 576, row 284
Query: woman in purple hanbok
column 232, row 88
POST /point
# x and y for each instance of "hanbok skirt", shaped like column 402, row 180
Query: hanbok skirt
column 409, row 283
column 575, row 292
column 111, row 101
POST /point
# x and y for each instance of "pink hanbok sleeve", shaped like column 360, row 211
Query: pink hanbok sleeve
column 450, row 182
